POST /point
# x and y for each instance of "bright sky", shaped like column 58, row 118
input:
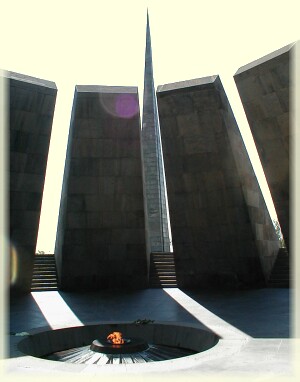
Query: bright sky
column 102, row 43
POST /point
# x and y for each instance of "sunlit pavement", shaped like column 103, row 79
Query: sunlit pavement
column 254, row 327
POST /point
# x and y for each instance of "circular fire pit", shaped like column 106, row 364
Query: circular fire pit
column 143, row 343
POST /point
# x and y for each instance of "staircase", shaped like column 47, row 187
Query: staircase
column 280, row 275
column 44, row 273
column 162, row 270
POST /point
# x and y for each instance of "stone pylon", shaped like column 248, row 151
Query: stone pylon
column 265, row 87
column 157, row 230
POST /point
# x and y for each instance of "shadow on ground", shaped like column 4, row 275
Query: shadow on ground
column 261, row 313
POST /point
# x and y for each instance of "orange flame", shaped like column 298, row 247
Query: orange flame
column 115, row 338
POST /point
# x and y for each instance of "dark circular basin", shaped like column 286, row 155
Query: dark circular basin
column 145, row 343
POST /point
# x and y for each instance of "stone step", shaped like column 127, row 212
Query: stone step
column 162, row 270
column 36, row 282
column 44, row 269
column 162, row 282
column 157, row 282
column 155, row 271
column 159, row 256
column 165, row 269
column 281, row 266
column 44, row 285
column 279, row 278
column 44, row 256
column 163, row 278
column 44, row 289
column 162, row 253
column 162, row 258
column 44, row 273
column 49, row 278
column 280, row 269
column 279, row 272
column 283, row 259
column 278, row 285
column 44, row 278
column 46, row 264
column 157, row 265
column 280, row 275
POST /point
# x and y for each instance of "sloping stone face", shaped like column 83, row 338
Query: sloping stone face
column 264, row 88
column 101, row 232
column 31, row 111
column 222, row 232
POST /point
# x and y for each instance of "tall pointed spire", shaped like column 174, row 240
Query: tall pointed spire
column 158, row 233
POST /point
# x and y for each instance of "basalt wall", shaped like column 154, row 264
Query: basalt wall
column 264, row 88
column 101, row 231
column 31, row 110
column 222, row 232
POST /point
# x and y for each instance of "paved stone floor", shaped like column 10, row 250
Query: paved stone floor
column 254, row 327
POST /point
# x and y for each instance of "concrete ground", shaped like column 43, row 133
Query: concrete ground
column 254, row 327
